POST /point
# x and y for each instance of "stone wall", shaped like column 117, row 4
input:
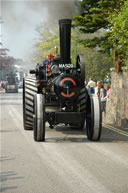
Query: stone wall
column 117, row 107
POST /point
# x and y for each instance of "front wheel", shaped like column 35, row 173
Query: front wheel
column 39, row 117
column 94, row 119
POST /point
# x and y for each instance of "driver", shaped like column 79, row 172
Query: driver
column 48, row 61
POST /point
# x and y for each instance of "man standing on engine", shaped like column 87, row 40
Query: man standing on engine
column 47, row 61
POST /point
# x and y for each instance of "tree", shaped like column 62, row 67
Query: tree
column 97, row 15
column 97, row 65
column 119, row 33
column 49, row 39
column 6, row 62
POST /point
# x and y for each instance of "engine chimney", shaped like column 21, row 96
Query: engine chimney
column 65, row 40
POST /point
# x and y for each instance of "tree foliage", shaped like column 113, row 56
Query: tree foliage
column 110, row 15
column 97, row 65
column 49, row 40
column 6, row 61
column 119, row 33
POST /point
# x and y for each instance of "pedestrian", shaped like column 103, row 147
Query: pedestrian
column 102, row 91
column 91, row 87
column 97, row 88
column 105, row 98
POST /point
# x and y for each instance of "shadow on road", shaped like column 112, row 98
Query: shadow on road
column 7, row 176
column 10, row 99
column 66, row 139
column 7, row 103
column 6, row 158
column 71, row 135
column 6, row 131
column 10, row 175
column 3, row 189
column 75, row 135
column 14, row 98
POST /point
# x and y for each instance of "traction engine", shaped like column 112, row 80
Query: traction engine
column 57, row 94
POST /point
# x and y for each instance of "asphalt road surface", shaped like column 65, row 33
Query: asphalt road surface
column 66, row 163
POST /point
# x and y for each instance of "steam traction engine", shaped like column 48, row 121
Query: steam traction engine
column 11, row 83
column 60, row 96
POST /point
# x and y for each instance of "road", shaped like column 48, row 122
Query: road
column 66, row 163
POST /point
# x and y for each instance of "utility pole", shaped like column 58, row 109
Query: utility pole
column 3, row 51
column 1, row 22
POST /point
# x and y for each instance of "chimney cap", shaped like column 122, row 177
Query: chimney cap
column 65, row 21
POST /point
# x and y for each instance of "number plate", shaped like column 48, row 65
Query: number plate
column 65, row 65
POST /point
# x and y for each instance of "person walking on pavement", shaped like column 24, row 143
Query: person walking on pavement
column 91, row 87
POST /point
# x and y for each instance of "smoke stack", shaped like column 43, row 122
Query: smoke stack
column 65, row 40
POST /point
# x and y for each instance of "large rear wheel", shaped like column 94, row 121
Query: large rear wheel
column 94, row 119
column 29, row 90
column 39, row 117
column 81, row 106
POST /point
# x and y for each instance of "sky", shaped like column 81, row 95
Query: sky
column 21, row 18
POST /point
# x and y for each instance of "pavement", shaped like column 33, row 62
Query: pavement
column 121, row 130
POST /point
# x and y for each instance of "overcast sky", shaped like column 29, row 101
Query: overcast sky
column 21, row 18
